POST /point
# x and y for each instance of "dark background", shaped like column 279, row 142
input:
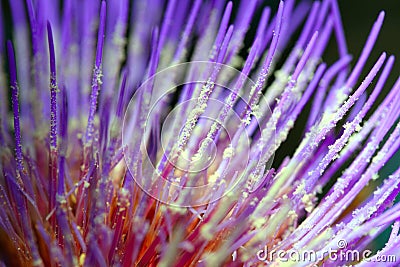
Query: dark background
column 358, row 17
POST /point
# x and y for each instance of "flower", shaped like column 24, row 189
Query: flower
column 144, row 134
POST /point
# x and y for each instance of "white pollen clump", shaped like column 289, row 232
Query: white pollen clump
column 327, row 118
column 307, row 201
column 282, row 136
column 253, row 89
column 213, row 178
column 292, row 213
column 259, row 222
column 61, row 199
column 300, row 190
column 197, row 156
column 246, row 120
column 290, row 123
column 256, row 111
column 228, row 152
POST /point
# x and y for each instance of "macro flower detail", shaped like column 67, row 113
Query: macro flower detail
column 144, row 133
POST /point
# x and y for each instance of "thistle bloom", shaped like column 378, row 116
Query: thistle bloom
column 144, row 134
